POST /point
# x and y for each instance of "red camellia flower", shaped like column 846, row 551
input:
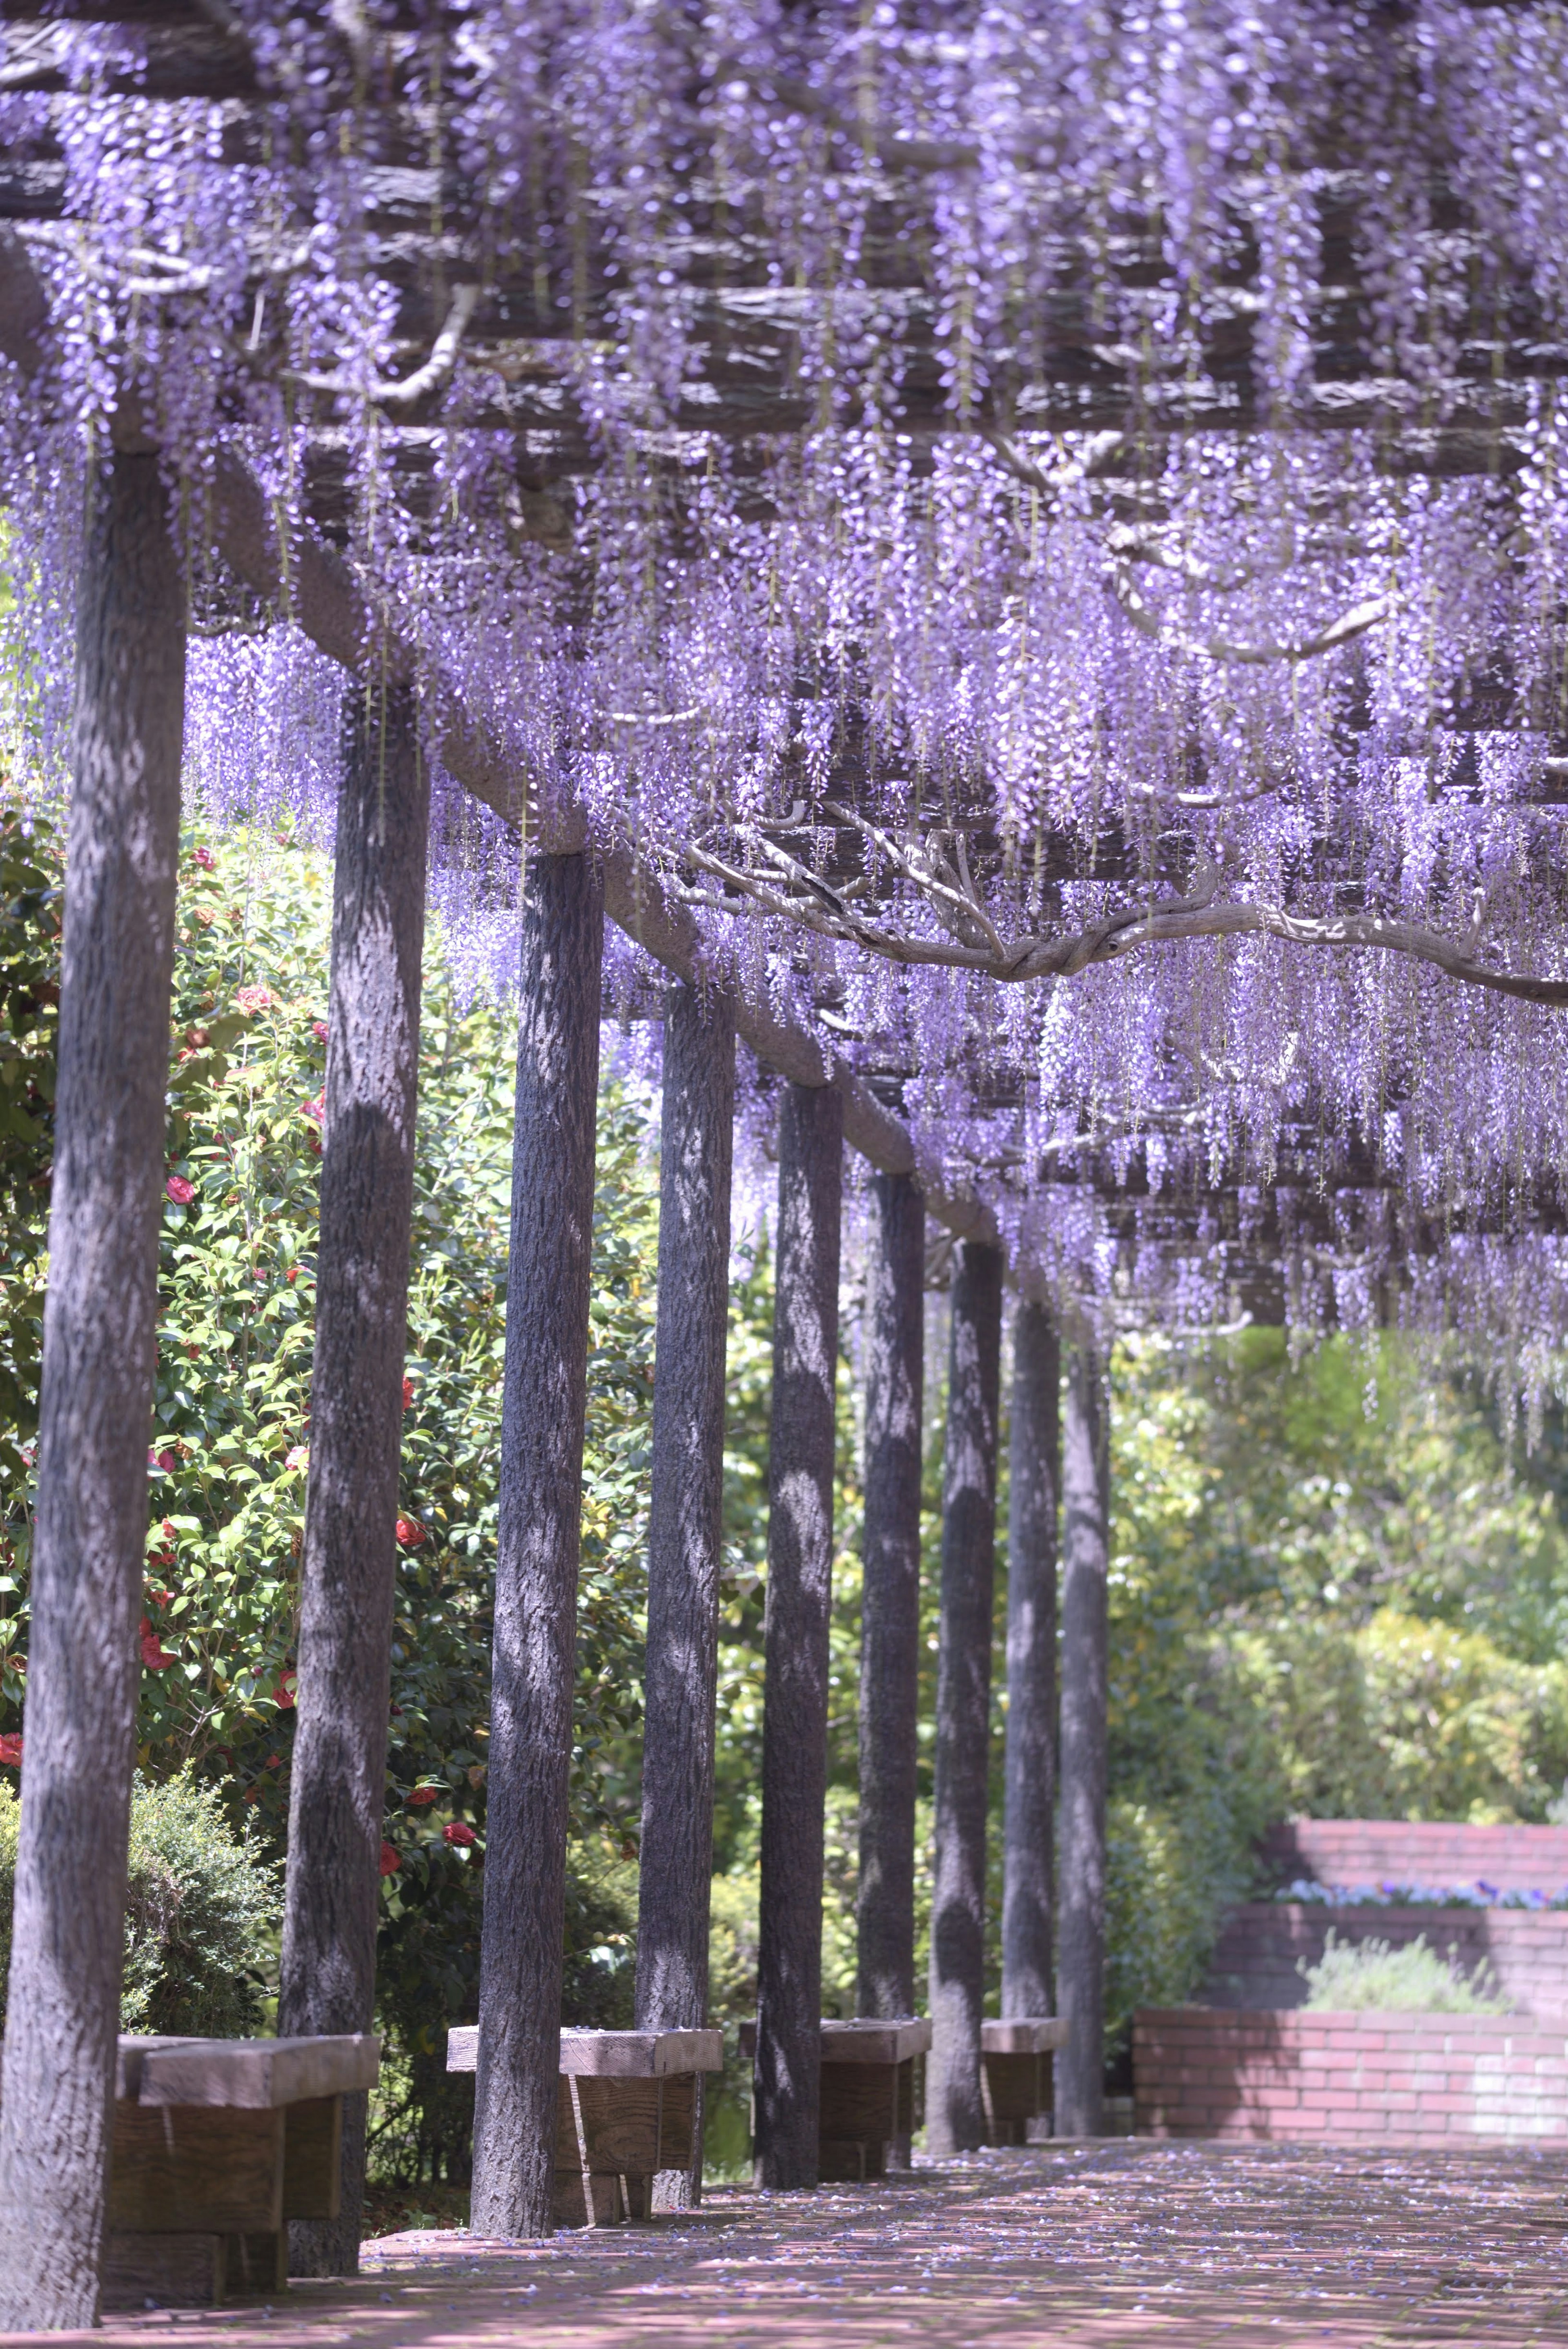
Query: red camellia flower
column 166, row 1460
column 457, row 1831
column 11, row 1748
column 203, row 859
column 408, row 1392
column 411, row 1532
column 283, row 1694
column 319, row 1031
column 179, row 1190
column 315, row 1110
column 297, row 1456
column 254, row 998
column 420, row 1795
column 292, row 1275
column 390, row 1863
column 155, row 1657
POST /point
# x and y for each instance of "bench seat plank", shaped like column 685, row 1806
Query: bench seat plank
column 1034, row 2034
column 245, row 2074
column 611, row 2055
column 867, row 2040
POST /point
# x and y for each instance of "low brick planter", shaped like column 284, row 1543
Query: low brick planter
column 1348, row 2079
column 1254, row 1962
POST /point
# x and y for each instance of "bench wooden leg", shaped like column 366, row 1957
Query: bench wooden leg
column 258, row 2265
column 170, row 2271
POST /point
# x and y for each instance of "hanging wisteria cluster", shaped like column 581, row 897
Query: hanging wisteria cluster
column 1040, row 527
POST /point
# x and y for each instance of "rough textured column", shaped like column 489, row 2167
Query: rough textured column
column 1081, row 1919
column 685, row 1524
column 337, row 1792
column 955, row 2107
column 1028, row 1820
column 544, row 1402
column 889, row 1604
column 96, row 1406
column 795, row 1670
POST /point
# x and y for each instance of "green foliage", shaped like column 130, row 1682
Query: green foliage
column 1405, row 1717
column 30, row 899
column 1352, row 1975
column 200, row 1915
column 1190, row 1784
column 1317, row 1608
column 230, row 1431
column 421, row 2119
column 1172, row 1870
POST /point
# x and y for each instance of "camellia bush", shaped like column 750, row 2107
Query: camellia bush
column 229, row 1454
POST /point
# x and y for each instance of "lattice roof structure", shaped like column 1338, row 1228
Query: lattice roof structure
column 503, row 306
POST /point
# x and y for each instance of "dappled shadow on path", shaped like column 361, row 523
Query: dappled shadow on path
column 1178, row 2246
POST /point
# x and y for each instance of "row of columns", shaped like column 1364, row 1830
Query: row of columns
column 88, row 1560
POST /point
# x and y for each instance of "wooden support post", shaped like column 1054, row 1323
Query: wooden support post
column 1080, row 1933
column 795, row 1670
column 1027, row 1831
column 544, row 1402
column 96, row 1407
column 890, row 1605
column 685, row 1524
column 954, row 2104
column 338, row 1793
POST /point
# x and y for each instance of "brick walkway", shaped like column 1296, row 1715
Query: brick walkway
column 1125, row 2241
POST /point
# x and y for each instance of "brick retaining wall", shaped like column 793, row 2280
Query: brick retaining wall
column 1255, row 1960
column 1423, row 1851
column 1347, row 2079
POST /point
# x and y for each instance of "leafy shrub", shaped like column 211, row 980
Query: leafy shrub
column 428, row 1974
column 201, row 1914
column 1352, row 1975
column 1171, row 1874
column 30, row 899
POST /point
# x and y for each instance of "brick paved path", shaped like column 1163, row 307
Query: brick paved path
column 1155, row 2246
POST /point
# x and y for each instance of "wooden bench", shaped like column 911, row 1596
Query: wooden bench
column 624, row 2110
column 1016, row 2070
column 218, row 2144
column 867, row 2092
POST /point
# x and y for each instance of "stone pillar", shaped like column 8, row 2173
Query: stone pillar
column 795, row 1670
column 955, row 2106
column 1028, row 1819
column 890, row 1603
column 337, row 1790
column 96, row 1406
column 1080, row 1924
column 685, row 1519
column 544, row 1407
